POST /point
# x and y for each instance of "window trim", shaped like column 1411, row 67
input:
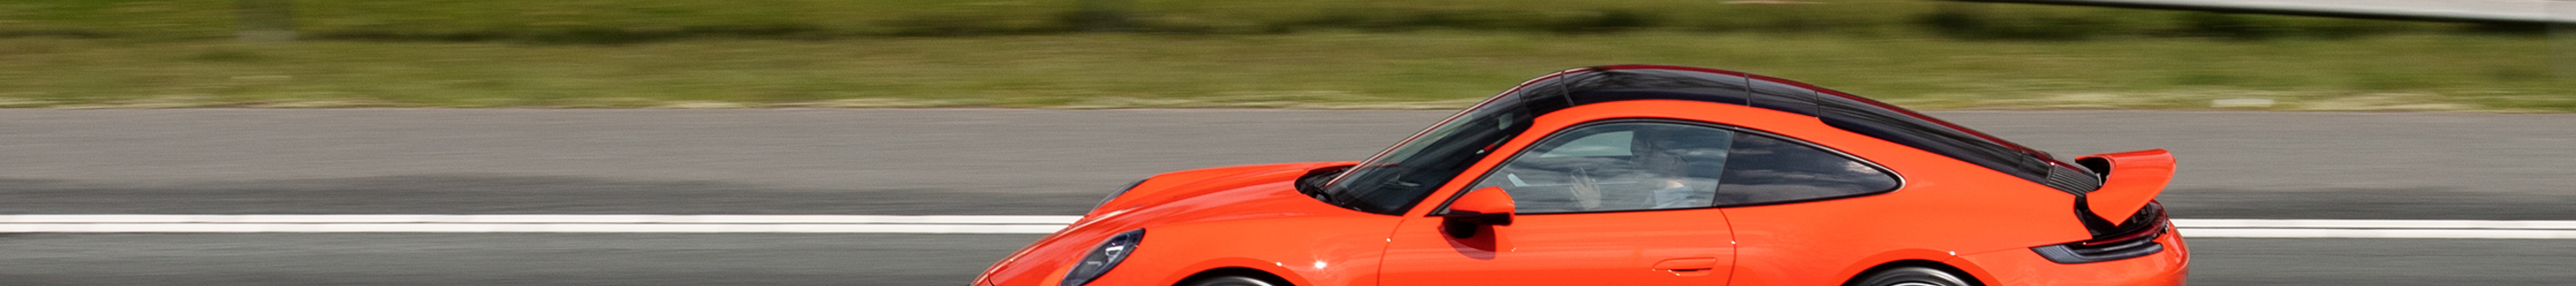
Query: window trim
column 1901, row 181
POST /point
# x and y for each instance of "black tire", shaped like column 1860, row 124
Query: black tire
column 1910, row 276
column 1232, row 281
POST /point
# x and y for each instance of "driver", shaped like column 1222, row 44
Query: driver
column 1660, row 155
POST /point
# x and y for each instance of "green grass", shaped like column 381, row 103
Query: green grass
column 1209, row 53
column 628, row 21
column 1418, row 69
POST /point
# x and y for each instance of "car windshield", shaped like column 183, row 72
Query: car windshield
column 1402, row 176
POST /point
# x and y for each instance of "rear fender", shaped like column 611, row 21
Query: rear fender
column 2130, row 180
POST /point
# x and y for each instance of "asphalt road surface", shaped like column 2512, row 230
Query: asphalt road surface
column 963, row 161
column 953, row 260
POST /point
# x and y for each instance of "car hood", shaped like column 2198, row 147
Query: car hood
column 1177, row 201
column 1224, row 191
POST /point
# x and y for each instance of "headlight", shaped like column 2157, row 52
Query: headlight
column 1114, row 194
column 1103, row 257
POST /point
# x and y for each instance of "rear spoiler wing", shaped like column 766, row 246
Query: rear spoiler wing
column 2130, row 180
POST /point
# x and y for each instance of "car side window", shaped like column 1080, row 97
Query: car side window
column 1762, row 170
column 1617, row 167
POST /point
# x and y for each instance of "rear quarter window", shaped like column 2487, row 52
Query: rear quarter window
column 1765, row 170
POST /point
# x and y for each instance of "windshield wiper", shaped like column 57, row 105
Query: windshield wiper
column 1312, row 185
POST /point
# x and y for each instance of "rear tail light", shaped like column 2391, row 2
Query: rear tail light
column 2129, row 240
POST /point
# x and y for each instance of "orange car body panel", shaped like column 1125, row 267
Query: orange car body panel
column 1684, row 247
column 1823, row 242
column 1945, row 210
column 1189, row 210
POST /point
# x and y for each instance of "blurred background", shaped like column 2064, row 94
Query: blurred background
column 2434, row 131
column 1196, row 53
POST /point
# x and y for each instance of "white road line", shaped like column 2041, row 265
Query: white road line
column 2336, row 228
column 2189, row 233
column 2211, row 228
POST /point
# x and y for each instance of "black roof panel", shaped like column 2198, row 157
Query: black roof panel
column 1851, row 113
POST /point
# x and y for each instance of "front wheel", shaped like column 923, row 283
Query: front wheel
column 1910, row 276
column 1232, row 281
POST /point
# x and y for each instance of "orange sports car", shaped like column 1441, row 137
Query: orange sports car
column 1641, row 175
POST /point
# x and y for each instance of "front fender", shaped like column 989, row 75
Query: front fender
column 1247, row 217
column 1325, row 250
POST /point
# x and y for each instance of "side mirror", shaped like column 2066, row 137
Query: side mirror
column 1479, row 208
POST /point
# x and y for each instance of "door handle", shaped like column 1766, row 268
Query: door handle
column 1694, row 266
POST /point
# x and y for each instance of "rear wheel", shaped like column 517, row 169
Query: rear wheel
column 1232, row 281
column 1910, row 276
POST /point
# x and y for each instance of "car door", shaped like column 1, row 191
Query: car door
column 1623, row 202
